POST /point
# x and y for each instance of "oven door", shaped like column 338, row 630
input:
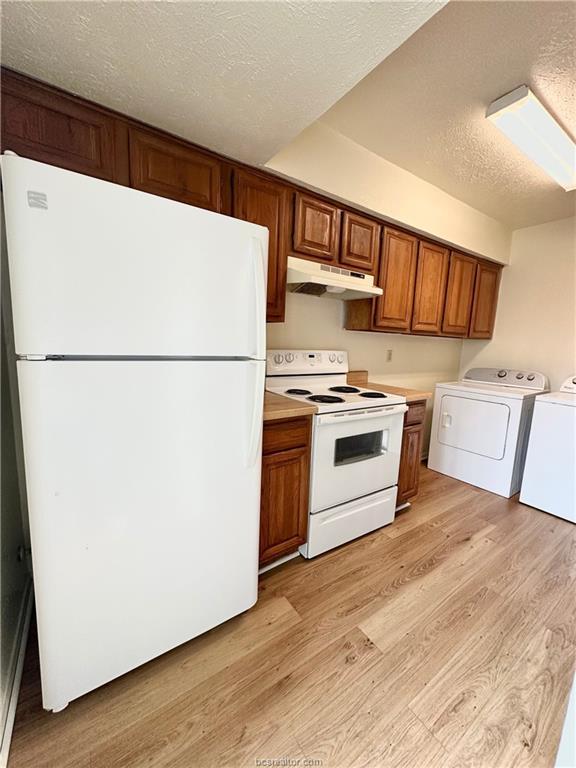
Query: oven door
column 355, row 453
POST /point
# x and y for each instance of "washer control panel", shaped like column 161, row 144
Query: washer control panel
column 287, row 362
column 569, row 385
column 510, row 377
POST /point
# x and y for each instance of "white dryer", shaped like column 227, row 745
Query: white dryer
column 550, row 473
column 480, row 427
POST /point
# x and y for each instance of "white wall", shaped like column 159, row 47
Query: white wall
column 317, row 323
column 329, row 161
column 536, row 317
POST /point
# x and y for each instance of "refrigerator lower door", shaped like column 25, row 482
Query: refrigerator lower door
column 143, row 483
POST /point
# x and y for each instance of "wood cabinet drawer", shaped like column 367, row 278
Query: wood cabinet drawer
column 416, row 413
column 286, row 434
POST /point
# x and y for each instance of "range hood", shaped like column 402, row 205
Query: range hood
column 324, row 280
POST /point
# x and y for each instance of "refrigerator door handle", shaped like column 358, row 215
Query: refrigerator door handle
column 256, row 397
column 260, row 298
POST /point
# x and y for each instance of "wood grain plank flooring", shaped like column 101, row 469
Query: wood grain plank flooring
column 446, row 640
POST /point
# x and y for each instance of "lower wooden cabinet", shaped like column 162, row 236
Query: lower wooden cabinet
column 285, row 487
column 411, row 453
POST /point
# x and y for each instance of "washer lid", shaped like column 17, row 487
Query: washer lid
column 494, row 390
column 558, row 398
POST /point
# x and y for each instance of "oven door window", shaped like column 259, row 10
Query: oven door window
column 349, row 450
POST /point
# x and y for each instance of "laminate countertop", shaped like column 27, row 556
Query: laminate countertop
column 278, row 407
column 361, row 379
column 411, row 395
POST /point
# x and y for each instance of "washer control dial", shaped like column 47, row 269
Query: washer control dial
column 278, row 358
column 531, row 377
column 340, row 358
column 289, row 357
column 332, row 357
column 519, row 375
column 502, row 374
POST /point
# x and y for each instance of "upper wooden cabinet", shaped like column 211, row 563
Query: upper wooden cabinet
column 459, row 294
column 360, row 242
column 430, row 288
column 316, row 228
column 485, row 301
column 166, row 167
column 262, row 201
column 393, row 310
column 45, row 124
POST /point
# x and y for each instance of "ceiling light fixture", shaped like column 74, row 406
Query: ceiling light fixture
column 529, row 125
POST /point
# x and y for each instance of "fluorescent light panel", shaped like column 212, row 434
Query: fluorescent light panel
column 529, row 125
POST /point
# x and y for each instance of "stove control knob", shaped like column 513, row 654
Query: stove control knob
column 340, row 358
column 531, row 377
column 502, row 374
column 519, row 375
column 278, row 359
column 332, row 357
column 289, row 357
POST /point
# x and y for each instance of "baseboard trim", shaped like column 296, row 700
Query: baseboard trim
column 18, row 666
column 276, row 563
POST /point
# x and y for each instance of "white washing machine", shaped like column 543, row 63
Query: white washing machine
column 480, row 427
column 550, row 472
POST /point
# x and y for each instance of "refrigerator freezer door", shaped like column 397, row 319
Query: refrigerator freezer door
column 144, row 508
column 100, row 269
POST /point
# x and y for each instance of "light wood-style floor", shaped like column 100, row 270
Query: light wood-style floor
column 445, row 640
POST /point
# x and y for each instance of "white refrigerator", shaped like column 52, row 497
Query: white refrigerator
column 139, row 337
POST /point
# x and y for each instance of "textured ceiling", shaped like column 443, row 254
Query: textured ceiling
column 423, row 107
column 242, row 78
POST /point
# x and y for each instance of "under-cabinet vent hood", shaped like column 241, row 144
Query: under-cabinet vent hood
column 325, row 280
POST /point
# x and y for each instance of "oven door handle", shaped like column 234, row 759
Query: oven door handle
column 344, row 417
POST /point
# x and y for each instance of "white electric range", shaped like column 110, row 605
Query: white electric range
column 356, row 442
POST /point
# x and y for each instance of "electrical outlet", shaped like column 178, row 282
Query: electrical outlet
column 388, row 355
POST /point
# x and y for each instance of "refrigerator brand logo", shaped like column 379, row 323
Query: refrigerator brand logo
column 37, row 200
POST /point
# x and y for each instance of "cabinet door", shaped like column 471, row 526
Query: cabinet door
column 410, row 456
column 360, row 242
column 168, row 168
column 266, row 202
column 459, row 294
column 52, row 127
column 485, row 301
column 316, row 228
column 397, row 274
column 431, row 276
column 284, row 504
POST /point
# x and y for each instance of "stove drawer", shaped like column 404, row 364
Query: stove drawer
column 345, row 522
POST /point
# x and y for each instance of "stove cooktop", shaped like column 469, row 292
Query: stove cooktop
column 330, row 395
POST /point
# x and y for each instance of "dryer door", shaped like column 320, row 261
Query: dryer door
column 473, row 425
